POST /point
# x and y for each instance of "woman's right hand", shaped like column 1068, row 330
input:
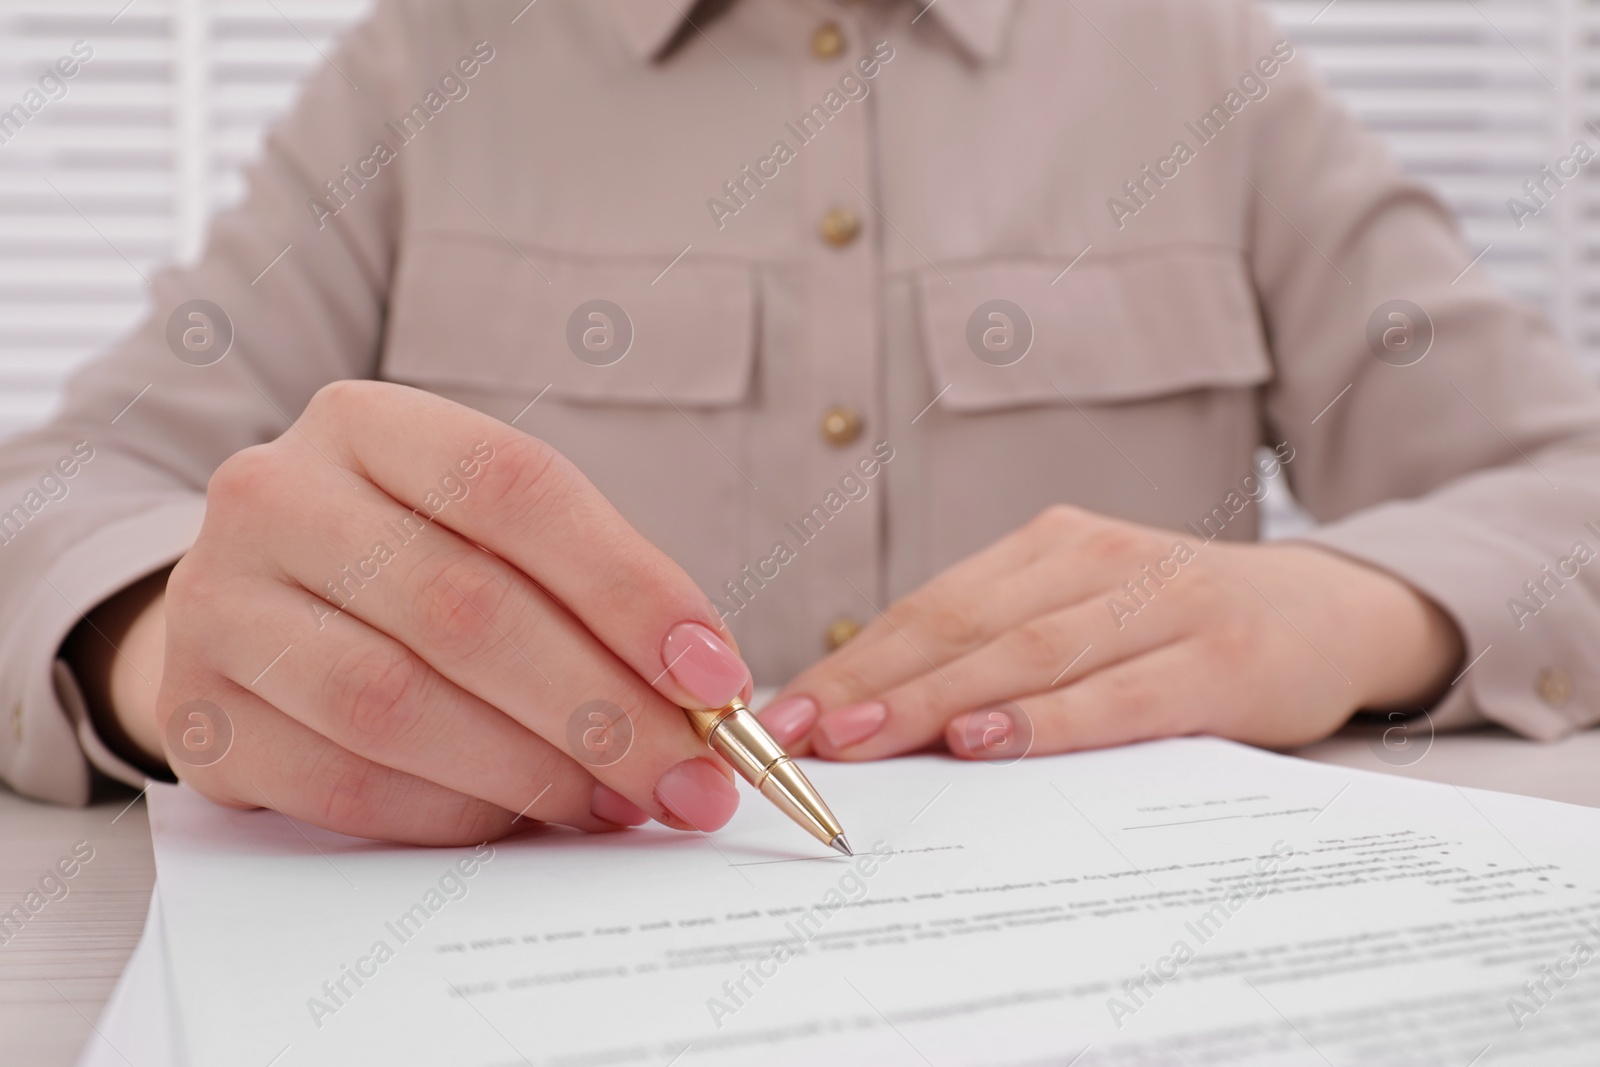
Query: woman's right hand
column 333, row 654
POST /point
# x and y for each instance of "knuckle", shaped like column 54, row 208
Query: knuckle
column 899, row 614
column 1057, row 520
column 245, row 480
column 1038, row 644
column 199, row 607
column 551, row 768
column 1113, row 541
column 835, row 684
column 475, row 821
column 1060, row 516
column 456, row 602
column 1131, row 696
column 192, row 584
column 1207, row 591
column 377, row 692
column 527, row 479
column 952, row 626
column 1231, row 641
column 342, row 396
column 346, row 798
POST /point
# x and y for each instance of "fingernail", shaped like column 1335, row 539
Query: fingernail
column 612, row 806
column 996, row 734
column 853, row 724
column 696, row 792
column 789, row 720
column 710, row 670
column 979, row 733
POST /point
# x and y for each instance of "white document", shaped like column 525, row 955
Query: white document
column 1188, row 901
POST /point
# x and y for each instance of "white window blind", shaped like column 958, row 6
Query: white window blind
column 1474, row 97
column 120, row 174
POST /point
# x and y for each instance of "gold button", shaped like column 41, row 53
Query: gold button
column 840, row 226
column 828, row 41
column 1554, row 687
column 841, row 425
column 840, row 631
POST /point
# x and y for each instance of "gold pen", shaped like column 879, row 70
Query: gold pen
column 738, row 737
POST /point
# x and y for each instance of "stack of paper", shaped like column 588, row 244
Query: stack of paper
column 1188, row 901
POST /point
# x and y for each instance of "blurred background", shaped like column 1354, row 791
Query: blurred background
column 120, row 175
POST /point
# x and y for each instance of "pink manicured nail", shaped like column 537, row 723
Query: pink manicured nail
column 612, row 806
column 710, row 670
column 999, row 735
column 789, row 720
column 853, row 724
column 696, row 792
column 978, row 733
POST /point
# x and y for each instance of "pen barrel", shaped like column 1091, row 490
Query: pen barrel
column 786, row 786
column 738, row 737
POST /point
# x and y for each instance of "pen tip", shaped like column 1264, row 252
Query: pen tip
column 841, row 845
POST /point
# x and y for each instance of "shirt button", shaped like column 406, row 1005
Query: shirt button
column 839, row 631
column 16, row 720
column 828, row 41
column 841, row 425
column 840, row 226
column 1554, row 687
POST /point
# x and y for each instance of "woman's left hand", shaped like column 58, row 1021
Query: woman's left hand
column 1081, row 631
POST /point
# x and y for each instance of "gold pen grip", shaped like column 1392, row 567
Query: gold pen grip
column 739, row 738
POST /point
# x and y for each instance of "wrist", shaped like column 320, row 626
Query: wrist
column 116, row 655
column 1405, row 647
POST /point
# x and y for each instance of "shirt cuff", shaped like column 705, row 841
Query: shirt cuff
column 51, row 745
column 1529, row 674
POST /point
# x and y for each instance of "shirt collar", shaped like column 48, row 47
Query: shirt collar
column 980, row 25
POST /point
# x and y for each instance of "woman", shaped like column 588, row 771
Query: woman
column 555, row 345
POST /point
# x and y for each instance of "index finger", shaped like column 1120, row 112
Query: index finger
column 522, row 500
column 1053, row 561
column 951, row 614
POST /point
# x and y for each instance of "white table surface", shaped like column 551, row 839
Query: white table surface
column 56, row 975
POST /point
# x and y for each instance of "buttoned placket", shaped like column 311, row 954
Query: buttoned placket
column 843, row 268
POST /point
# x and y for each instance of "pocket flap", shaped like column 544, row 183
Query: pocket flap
column 469, row 311
column 1002, row 334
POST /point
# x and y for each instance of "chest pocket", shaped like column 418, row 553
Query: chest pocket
column 640, row 376
column 468, row 311
column 1013, row 333
column 1127, row 386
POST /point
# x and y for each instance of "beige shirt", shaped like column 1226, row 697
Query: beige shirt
column 799, row 216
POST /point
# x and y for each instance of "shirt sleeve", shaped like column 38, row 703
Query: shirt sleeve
column 288, row 296
column 1441, row 430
